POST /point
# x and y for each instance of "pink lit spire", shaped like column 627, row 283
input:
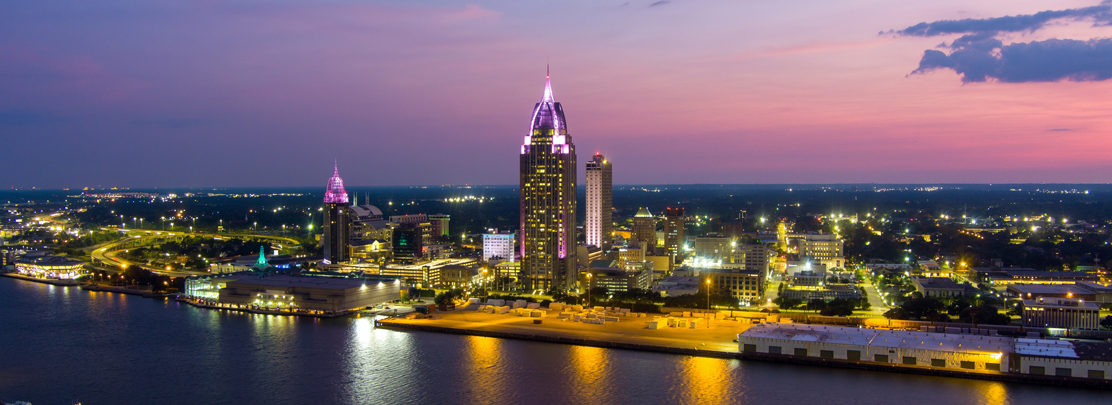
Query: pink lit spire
column 547, row 98
column 335, row 193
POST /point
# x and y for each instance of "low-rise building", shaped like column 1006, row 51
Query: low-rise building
column 616, row 279
column 1061, row 313
column 327, row 294
column 743, row 285
column 672, row 286
column 49, row 267
column 1102, row 292
column 971, row 353
column 937, row 287
column 1036, row 291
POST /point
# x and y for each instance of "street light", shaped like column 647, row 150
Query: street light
column 588, row 289
column 708, row 302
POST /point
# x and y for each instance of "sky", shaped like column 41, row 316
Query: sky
column 153, row 93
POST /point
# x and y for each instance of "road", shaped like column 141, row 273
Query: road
column 107, row 253
column 877, row 306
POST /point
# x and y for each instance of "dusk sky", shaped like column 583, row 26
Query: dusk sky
column 269, row 93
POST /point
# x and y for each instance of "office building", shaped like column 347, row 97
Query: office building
column 673, row 232
column 1061, row 313
column 337, row 223
column 616, row 280
column 599, row 203
column 753, row 255
column 439, row 225
column 743, row 285
column 548, row 201
column 498, row 246
column 713, row 250
column 823, row 248
column 407, row 244
column 644, row 229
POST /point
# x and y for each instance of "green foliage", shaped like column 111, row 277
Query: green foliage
column 983, row 314
column 1106, row 323
column 787, row 302
column 897, row 313
column 839, row 307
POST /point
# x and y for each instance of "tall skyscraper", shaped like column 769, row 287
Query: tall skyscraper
column 337, row 225
column 644, row 229
column 673, row 232
column 548, row 179
column 599, row 223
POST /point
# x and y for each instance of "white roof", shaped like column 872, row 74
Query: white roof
column 882, row 338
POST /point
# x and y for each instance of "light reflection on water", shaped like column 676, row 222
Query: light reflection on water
column 57, row 346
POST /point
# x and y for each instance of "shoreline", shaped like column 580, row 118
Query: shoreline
column 60, row 283
column 646, row 345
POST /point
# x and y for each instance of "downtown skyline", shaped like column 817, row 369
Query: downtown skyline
column 126, row 94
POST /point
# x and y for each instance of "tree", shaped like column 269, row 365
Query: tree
column 839, row 307
column 897, row 313
column 787, row 302
column 984, row 315
column 816, row 305
column 923, row 308
column 1106, row 323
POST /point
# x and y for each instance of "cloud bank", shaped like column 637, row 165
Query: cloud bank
column 980, row 55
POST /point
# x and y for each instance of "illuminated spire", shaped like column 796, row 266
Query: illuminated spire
column 335, row 193
column 262, row 263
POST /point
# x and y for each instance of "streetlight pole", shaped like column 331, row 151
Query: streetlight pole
column 588, row 289
column 708, row 302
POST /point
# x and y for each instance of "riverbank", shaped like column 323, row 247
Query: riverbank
column 62, row 283
column 713, row 340
column 124, row 290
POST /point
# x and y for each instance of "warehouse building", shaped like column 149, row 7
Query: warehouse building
column 970, row 353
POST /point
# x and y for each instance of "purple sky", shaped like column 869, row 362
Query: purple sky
column 267, row 93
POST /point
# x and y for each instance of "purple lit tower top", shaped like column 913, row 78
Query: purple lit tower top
column 335, row 193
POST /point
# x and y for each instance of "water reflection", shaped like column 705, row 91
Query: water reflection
column 591, row 369
column 994, row 393
column 707, row 383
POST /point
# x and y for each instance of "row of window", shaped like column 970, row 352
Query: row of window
column 855, row 355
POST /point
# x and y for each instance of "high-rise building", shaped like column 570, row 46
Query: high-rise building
column 599, row 223
column 439, row 224
column 548, row 178
column 337, row 227
column 673, row 232
column 407, row 245
column 644, row 229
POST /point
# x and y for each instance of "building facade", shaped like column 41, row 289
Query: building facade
column 337, row 223
column 754, row 255
column 1061, row 313
column 743, row 285
column 498, row 245
column 599, row 223
column 823, row 248
column 644, row 229
column 548, row 201
column 673, row 232
column 407, row 243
